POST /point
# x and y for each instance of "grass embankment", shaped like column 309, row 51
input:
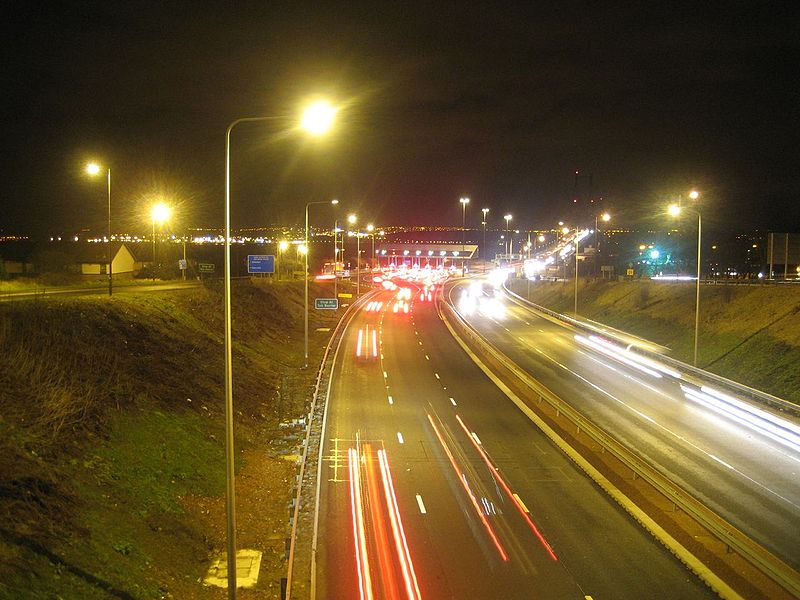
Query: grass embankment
column 112, row 472
column 749, row 334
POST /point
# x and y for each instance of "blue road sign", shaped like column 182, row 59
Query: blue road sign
column 260, row 263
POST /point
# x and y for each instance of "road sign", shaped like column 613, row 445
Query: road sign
column 629, row 272
column 206, row 267
column 182, row 264
column 260, row 263
column 344, row 295
column 326, row 303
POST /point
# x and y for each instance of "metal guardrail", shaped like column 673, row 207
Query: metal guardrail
column 324, row 372
column 774, row 402
column 783, row 574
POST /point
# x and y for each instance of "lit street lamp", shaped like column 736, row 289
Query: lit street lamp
column 159, row 213
column 675, row 210
column 371, row 233
column 464, row 202
column 282, row 246
column 305, row 288
column 317, row 120
column 507, row 218
column 605, row 217
column 484, row 211
column 93, row 169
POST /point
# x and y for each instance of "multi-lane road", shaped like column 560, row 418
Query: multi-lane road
column 749, row 476
column 435, row 485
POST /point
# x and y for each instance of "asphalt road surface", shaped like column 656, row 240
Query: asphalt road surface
column 747, row 477
column 434, row 485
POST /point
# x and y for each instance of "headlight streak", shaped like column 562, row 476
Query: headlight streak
column 374, row 344
column 655, row 390
column 360, row 540
column 462, row 479
column 771, row 426
column 358, row 342
column 401, row 543
column 592, row 343
column 514, row 499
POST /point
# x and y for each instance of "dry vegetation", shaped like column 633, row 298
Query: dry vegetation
column 111, row 438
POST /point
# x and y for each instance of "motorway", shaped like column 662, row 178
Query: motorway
column 435, row 485
column 747, row 477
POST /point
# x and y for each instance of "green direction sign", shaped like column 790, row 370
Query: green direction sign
column 206, row 267
column 326, row 303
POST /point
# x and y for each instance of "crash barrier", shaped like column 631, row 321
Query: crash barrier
column 507, row 371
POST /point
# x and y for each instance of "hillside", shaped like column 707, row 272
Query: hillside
column 112, row 472
column 750, row 334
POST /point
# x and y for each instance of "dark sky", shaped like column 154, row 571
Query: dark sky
column 439, row 100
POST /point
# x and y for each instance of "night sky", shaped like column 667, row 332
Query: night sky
column 496, row 102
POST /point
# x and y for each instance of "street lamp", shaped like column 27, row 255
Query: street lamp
column 484, row 211
column 507, row 218
column 352, row 219
column 605, row 217
column 159, row 213
column 283, row 245
column 317, row 119
column 305, row 277
column 371, row 232
column 675, row 210
column 93, row 169
column 464, row 202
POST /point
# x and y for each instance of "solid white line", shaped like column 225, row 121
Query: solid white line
column 421, row 505
column 400, row 438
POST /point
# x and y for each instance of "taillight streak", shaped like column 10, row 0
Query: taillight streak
column 463, row 479
column 385, row 561
column 507, row 489
column 401, row 543
column 360, row 541
column 374, row 343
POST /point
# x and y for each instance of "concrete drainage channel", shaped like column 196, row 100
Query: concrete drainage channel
column 302, row 512
column 602, row 457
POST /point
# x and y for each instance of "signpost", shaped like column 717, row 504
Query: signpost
column 260, row 263
column 326, row 303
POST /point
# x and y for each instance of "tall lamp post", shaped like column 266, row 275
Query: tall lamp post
column 484, row 211
column 159, row 213
column 507, row 218
column 305, row 277
column 605, row 217
column 675, row 210
column 317, row 120
column 371, row 233
column 464, row 202
column 93, row 169
column 282, row 247
column 353, row 219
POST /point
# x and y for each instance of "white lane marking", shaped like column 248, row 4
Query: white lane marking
column 453, row 401
column 437, row 376
column 670, row 432
column 420, row 342
column 421, row 505
column 477, row 439
column 521, row 503
column 400, row 438
column 427, row 357
column 385, row 375
column 391, row 400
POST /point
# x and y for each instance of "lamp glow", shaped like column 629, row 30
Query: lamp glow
column 318, row 118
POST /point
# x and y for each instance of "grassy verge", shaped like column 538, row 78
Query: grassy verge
column 112, row 439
